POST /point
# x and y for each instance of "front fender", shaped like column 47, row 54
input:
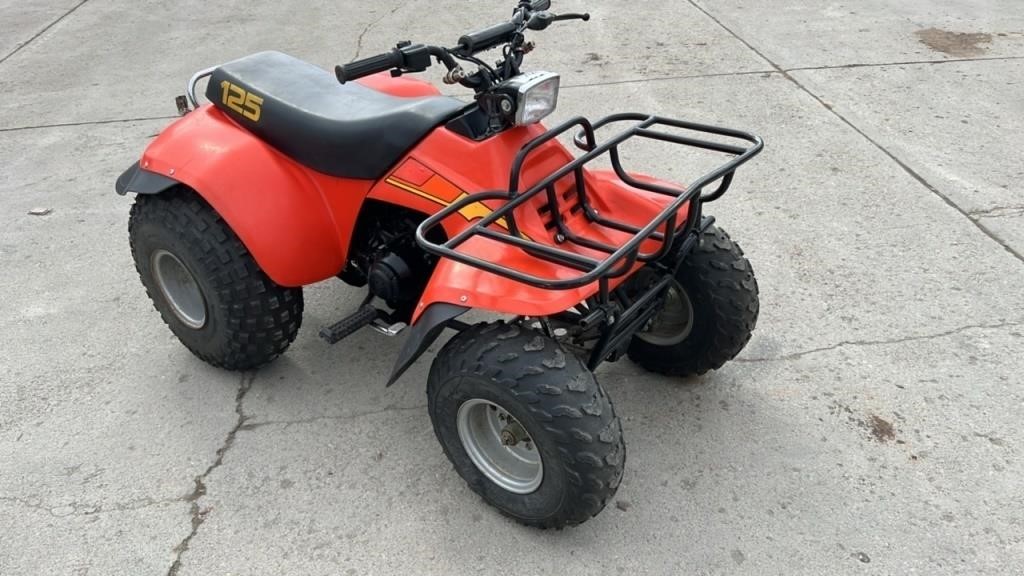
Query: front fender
column 428, row 327
column 295, row 222
column 461, row 284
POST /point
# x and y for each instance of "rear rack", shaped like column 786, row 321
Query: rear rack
column 620, row 259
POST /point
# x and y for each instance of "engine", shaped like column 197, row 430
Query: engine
column 385, row 256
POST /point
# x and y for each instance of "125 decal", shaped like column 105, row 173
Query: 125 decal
column 238, row 99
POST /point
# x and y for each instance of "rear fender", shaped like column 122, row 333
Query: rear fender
column 296, row 222
column 138, row 181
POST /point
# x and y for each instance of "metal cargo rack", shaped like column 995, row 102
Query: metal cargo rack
column 620, row 259
column 610, row 323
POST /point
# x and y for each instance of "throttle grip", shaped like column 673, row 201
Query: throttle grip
column 367, row 66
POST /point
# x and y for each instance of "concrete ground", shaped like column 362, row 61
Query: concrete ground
column 873, row 425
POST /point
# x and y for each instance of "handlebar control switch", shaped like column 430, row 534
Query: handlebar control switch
column 416, row 57
column 540, row 21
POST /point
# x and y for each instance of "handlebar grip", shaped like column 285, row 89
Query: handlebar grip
column 538, row 5
column 488, row 37
column 367, row 66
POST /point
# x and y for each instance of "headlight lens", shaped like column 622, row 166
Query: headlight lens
column 537, row 96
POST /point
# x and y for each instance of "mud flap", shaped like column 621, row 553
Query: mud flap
column 139, row 181
column 430, row 325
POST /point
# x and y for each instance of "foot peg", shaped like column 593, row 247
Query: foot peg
column 348, row 326
column 387, row 329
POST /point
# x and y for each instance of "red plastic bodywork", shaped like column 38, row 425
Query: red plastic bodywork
column 294, row 221
column 297, row 223
column 491, row 162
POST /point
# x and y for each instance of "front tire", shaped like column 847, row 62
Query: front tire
column 526, row 425
column 205, row 284
column 709, row 314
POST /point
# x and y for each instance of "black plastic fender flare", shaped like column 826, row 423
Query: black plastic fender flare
column 140, row 181
column 431, row 323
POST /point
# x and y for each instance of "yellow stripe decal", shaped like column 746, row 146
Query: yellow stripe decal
column 471, row 212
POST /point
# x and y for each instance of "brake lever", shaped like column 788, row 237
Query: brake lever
column 572, row 16
column 541, row 20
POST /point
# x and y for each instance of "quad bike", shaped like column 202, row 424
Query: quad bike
column 291, row 176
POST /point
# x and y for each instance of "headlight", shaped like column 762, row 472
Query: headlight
column 536, row 95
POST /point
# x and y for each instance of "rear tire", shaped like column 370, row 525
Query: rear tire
column 205, row 284
column 720, row 294
column 534, row 387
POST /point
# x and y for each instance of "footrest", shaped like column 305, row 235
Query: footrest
column 350, row 325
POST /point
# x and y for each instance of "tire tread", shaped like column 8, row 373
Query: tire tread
column 263, row 318
column 718, row 269
column 560, row 394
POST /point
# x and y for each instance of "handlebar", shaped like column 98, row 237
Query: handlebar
column 408, row 57
column 483, row 40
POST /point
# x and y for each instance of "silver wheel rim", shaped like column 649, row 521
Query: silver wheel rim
column 674, row 322
column 179, row 288
column 499, row 446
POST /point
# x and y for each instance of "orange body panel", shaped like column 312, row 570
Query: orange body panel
column 434, row 175
column 402, row 86
column 298, row 223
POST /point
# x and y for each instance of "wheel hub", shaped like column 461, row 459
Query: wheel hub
column 499, row 446
column 674, row 321
column 513, row 433
column 508, row 438
column 179, row 288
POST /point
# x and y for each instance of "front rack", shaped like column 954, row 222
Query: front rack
column 619, row 260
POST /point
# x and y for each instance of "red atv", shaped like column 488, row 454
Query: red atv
column 291, row 176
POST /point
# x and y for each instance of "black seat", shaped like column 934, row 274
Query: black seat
column 343, row 130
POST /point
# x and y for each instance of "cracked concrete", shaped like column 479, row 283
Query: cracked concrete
column 765, row 459
column 801, row 354
column 892, row 155
column 86, row 509
column 999, row 212
column 350, row 416
column 949, row 142
column 359, row 40
column 904, row 63
column 874, row 220
column 198, row 513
